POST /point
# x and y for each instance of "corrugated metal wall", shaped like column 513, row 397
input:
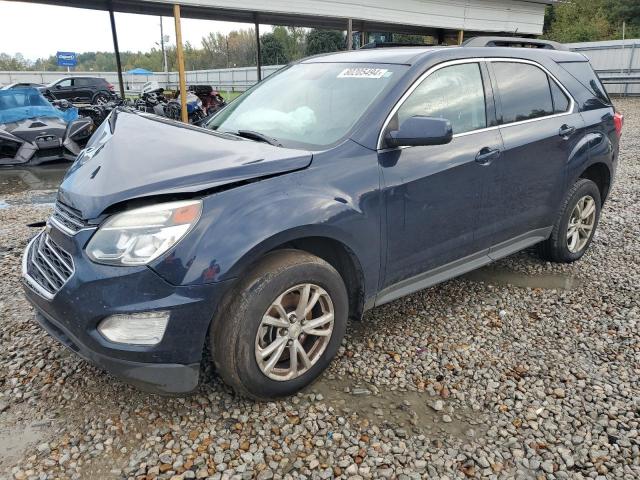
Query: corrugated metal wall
column 615, row 61
column 233, row 79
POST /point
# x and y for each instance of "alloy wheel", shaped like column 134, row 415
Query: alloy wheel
column 581, row 224
column 294, row 332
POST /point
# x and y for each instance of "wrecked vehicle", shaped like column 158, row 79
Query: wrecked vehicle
column 211, row 99
column 153, row 100
column 339, row 183
column 33, row 131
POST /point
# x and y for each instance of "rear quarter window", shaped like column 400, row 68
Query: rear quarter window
column 584, row 74
column 560, row 100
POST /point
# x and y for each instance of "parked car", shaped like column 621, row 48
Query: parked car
column 94, row 90
column 338, row 184
column 21, row 85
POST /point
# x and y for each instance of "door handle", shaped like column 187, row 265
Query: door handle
column 486, row 154
column 566, row 130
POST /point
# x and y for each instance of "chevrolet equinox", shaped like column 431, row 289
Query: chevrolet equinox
column 340, row 183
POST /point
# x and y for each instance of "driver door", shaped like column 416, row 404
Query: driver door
column 433, row 194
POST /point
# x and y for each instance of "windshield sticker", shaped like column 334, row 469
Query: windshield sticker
column 363, row 72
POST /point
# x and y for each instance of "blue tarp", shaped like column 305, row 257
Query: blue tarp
column 22, row 103
column 139, row 71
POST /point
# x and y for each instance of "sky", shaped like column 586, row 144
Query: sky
column 38, row 31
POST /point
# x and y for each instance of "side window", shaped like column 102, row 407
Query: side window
column 65, row 83
column 455, row 93
column 583, row 72
column 81, row 82
column 524, row 91
column 560, row 100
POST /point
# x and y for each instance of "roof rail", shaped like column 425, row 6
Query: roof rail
column 513, row 42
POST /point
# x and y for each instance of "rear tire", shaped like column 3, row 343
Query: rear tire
column 251, row 323
column 100, row 99
column 574, row 229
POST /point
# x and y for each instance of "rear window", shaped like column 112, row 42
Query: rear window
column 524, row 91
column 584, row 74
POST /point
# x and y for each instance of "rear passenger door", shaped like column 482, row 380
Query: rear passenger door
column 539, row 127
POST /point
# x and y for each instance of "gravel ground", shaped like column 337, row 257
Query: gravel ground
column 525, row 369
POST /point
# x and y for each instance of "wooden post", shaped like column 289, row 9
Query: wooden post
column 258, row 51
column 350, row 34
column 181, row 75
column 460, row 37
column 114, row 35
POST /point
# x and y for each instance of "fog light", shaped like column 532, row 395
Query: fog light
column 145, row 328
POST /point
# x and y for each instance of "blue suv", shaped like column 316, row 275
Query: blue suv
column 338, row 184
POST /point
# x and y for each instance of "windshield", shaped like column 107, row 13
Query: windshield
column 308, row 105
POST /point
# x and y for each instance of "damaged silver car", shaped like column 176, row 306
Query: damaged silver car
column 32, row 131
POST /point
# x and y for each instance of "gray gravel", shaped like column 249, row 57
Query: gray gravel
column 526, row 369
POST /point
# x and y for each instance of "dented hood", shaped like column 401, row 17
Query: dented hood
column 133, row 155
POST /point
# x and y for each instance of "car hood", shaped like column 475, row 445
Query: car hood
column 134, row 155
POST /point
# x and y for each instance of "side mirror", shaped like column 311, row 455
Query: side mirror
column 419, row 130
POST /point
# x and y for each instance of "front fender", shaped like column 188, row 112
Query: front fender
column 240, row 225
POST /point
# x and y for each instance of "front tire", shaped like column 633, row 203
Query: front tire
column 574, row 229
column 281, row 325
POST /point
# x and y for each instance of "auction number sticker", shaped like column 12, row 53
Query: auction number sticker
column 363, row 72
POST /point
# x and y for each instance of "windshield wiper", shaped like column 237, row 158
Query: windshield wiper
column 260, row 137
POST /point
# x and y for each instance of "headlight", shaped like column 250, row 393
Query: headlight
column 139, row 236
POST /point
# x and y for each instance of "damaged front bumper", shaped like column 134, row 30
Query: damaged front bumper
column 73, row 295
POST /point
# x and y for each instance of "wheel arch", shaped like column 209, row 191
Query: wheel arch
column 600, row 174
column 332, row 248
column 99, row 92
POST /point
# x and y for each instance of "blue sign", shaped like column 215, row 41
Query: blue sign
column 67, row 59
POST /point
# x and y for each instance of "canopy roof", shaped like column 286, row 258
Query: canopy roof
column 405, row 16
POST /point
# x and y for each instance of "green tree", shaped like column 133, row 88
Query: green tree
column 293, row 39
column 627, row 11
column 592, row 20
column 272, row 50
column 324, row 41
column 16, row 62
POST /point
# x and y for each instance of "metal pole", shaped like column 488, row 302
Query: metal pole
column 259, row 53
column 181, row 75
column 116, row 49
column 350, row 34
column 460, row 37
column 165, row 63
column 633, row 51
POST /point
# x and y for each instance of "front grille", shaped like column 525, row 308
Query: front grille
column 68, row 218
column 48, row 265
